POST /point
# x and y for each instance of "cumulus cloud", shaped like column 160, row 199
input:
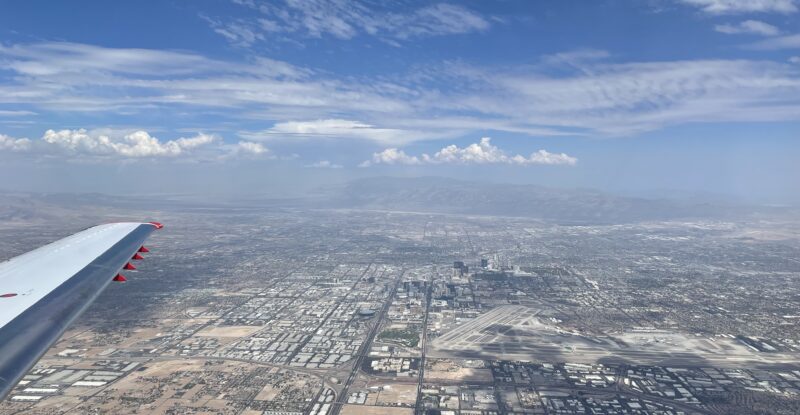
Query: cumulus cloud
column 14, row 144
column 754, row 27
column 136, row 144
column 324, row 164
column 249, row 147
column 545, row 157
column 482, row 152
column 81, row 144
column 391, row 156
column 744, row 6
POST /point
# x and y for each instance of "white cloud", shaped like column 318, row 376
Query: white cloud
column 744, row 6
column 53, row 58
column 578, row 92
column 7, row 113
column 239, row 33
column 794, row 59
column 545, row 157
column 482, row 152
column 391, row 156
column 334, row 128
column 108, row 144
column 776, row 43
column 755, row 27
column 346, row 19
column 249, row 147
column 436, row 20
column 136, row 144
column 580, row 58
column 324, row 164
column 75, row 77
column 77, row 64
column 623, row 99
column 14, row 144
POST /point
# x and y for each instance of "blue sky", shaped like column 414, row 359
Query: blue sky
column 252, row 96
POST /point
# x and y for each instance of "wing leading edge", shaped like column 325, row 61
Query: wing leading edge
column 43, row 291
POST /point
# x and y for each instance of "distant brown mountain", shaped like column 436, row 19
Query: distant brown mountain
column 423, row 194
column 436, row 194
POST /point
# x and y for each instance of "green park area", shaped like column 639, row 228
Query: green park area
column 404, row 337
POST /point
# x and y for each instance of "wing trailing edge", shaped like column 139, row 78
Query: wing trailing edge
column 43, row 291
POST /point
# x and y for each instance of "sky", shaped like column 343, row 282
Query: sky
column 249, row 97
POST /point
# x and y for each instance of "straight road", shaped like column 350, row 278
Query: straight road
column 428, row 294
column 364, row 350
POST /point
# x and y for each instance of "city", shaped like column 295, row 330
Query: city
column 414, row 207
column 366, row 312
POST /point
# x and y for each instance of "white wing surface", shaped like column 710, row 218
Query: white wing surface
column 43, row 291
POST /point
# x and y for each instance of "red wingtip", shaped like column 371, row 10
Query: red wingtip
column 129, row 266
column 120, row 278
column 143, row 249
column 156, row 224
column 137, row 257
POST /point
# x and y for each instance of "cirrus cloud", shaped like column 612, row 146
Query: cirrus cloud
column 754, row 27
column 336, row 129
column 324, row 164
column 588, row 94
column 744, row 6
column 346, row 19
column 777, row 43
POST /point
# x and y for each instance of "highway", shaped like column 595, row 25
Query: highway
column 341, row 399
column 423, row 346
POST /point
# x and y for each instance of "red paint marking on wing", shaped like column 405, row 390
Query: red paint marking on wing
column 137, row 257
column 143, row 249
column 120, row 278
column 156, row 224
column 8, row 295
column 129, row 266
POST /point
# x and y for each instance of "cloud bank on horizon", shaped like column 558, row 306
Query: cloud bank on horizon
column 482, row 152
column 101, row 144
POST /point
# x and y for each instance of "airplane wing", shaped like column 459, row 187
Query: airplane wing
column 43, row 291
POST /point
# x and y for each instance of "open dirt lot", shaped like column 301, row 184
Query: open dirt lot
column 375, row 410
column 398, row 393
